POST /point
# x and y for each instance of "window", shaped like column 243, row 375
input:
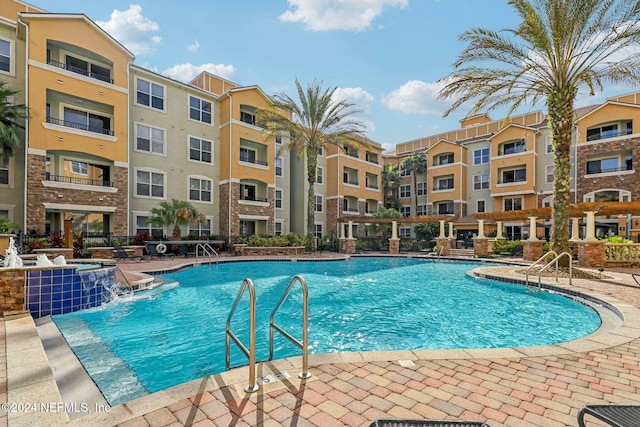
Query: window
column 201, row 229
column 149, row 94
column 278, row 140
column 351, row 151
column 422, row 210
column 403, row 171
column 4, row 168
column 87, row 121
column 149, row 139
column 422, row 188
column 443, row 159
column 248, row 192
column 549, row 176
column 79, row 168
column 151, row 229
column 80, row 66
column 371, row 181
column 481, row 156
column 247, row 117
column 346, row 207
column 149, row 184
column 405, row 191
column 445, row 208
column 444, row 184
column 547, row 140
column 611, row 164
column 320, row 151
column 279, row 163
column 247, row 155
column 278, row 199
column 319, row 173
column 404, row 232
column 371, row 157
column 481, row 182
column 318, row 204
column 317, row 230
column 610, row 130
column 5, row 56
column 512, row 147
column 513, row 204
column 405, row 210
column 199, row 150
column 199, row 110
column 480, row 206
column 277, row 228
column 514, row 175
column 199, row 190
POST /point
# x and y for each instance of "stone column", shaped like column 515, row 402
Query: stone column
column 451, row 236
column 533, row 233
column 394, row 241
column 442, row 235
column 480, row 246
column 499, row 231
column 590, row 235
column 591, row 253
column 394, row 229
column 350, row 236
column 532, row 249
column 481, row 229
column 575, row 230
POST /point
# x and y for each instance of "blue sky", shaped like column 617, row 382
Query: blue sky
column 384, row 56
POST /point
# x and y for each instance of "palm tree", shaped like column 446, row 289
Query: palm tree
column 385, row 227
column 317, row 121
column 415, row 163
column 390, row 181
column 559, row 46
column 177, row 214
column 11, row 120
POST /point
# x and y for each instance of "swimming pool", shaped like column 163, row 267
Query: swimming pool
column 176, row 333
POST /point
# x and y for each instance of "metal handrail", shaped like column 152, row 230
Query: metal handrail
column 207, row 250
column 555, row 260
column 304, row 345
column 251, row 352
column 539, row 260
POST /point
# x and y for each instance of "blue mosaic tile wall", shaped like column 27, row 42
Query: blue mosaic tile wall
column 63, row 290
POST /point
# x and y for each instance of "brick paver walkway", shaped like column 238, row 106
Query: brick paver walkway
column 512, row 391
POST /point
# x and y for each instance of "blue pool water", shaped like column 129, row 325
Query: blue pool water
column 176, row 333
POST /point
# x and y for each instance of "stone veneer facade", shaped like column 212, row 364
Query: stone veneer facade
column 237, row 209
column 39, row 195
column 12, row 285
column 625, row 181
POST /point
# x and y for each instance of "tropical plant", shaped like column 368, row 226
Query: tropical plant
column 384, row 227
column 427, row 231
column 391, row 181
column 176, row 214
column 316, row 121
column 7, row 226
column 415, row 163
column 559, row 46
column 11, row 120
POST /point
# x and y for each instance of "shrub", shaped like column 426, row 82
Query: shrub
column 505, row 246
column 55, row 241
column 32, row 243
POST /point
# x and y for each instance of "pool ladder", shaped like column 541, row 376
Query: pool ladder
column 250, row 352
column 554, row 261
column 205, row 249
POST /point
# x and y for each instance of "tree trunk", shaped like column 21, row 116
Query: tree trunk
column 560, row 109
column 312, row 165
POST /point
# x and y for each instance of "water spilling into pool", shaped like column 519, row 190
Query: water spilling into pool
column 176, row 333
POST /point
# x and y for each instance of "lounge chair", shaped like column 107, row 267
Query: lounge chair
column 153, row 252
column 122, row 255
column 426, row 423
column 183, row 250
column 614, row 415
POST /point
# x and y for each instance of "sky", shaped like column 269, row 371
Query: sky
column 383, row 56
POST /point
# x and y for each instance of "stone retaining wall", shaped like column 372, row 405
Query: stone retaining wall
column 270, row 250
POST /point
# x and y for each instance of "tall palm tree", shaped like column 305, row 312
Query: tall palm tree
column 390, row 181
column 559, row 46
column 316, row 121
column 11, row 120
column 176, row 214
column 415, row 163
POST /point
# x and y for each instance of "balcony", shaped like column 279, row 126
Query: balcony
column 512, row 148
column 372, row 158
column 97, row 72
column 80, row 126
column 613, row 130
column 253, row 153
column 80, row 181
column 512, row 180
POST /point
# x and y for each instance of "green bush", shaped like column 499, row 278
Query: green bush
column 505, row 246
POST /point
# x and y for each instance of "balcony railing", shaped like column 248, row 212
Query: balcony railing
column 255, row 162
column 348, row 181
column 511, row 181
column 81, row 181
column 254, row 199
column 373, row 186
column 609, row 134
column 79, row 126
column 80, row 71
column 609, row 170
column 350, row 210
column 514, row 150
column 443, row 188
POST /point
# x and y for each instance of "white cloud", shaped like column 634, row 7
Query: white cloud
column 417, row 97
column 132, row 29
column 186, row 72
column 193, row 47
column 361, row 100
column 327, row 15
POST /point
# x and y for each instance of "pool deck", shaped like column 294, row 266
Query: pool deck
column 532, row 386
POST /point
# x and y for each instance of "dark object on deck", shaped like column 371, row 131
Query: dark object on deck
column 635, row 277
column 153, row 251
column 122, row 255
column 426, row 423
column 614, row 415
